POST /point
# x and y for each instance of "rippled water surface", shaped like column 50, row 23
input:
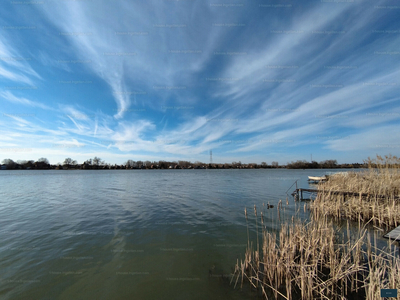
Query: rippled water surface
column 133, row 234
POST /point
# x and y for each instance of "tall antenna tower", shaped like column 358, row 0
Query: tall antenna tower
column 210, row 156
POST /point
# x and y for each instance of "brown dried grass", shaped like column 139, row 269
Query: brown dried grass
column 307, row 261
column 380, row 183
column 316, row 260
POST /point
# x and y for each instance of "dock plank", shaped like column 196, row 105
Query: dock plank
column 342, row 193
column 394, row 234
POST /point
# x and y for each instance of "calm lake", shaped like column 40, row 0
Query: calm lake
column 134, row 234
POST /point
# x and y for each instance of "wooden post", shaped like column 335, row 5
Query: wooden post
column 301, row 194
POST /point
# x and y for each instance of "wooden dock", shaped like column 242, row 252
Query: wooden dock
column 299, row 192
column 393, row 235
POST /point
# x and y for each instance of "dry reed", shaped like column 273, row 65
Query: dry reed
column 379, row 198
column 316, row 260
column 307, row 261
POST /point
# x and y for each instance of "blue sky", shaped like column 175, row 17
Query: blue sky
column 252, row 81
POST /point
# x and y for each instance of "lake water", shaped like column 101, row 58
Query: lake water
column 133, row 234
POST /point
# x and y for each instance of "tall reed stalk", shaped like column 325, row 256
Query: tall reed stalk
column 315, row 259
column 310, row 262
column 380, row 185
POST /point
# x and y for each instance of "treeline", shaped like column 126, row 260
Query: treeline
column 182, row 164
column 44, row 164
column 97, row 163
column 326, row 164
column 40, row 164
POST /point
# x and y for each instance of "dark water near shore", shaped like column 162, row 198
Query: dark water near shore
column 133, row 234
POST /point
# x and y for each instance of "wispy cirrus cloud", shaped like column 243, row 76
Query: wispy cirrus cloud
column 14, row 66
column 10, row 97
column 207, row 78
column 373, row 139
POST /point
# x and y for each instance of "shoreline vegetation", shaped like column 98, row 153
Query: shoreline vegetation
column 98, row 164
column 380, row 185
column 322, row 258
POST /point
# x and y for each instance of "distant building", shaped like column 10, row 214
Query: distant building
column 3, row 167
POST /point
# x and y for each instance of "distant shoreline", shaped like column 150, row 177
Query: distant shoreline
column 98, row 164
column 206, row 168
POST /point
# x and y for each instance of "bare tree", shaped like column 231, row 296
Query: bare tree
column 97, row 161
column 44, row 160
column 68, row 161
column 130, row 163
column 184, row 163
column 330, row 163
column 147, row 164
column 9, row 162
column 163, row 164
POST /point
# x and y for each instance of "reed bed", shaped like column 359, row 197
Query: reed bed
column 308, row 261
column 318, row 260
column 379, row 201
